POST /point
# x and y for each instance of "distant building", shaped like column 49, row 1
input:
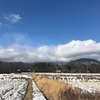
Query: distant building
column 33, row 70
column 29, row 70
column 58, row 71
column 18, row 70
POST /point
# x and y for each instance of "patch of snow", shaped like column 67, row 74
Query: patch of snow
column 13, row 75
column 91, row 87
column 37, row 95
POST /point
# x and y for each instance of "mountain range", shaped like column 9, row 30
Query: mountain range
column 82, row 65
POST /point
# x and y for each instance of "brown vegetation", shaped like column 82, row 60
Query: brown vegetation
column 29, row 91
column 54, row 90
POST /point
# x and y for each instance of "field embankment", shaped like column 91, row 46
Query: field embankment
column 55, row 90
column 29, row 91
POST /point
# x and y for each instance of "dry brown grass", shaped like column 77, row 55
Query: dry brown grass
column 89, row 96
column 54, row 90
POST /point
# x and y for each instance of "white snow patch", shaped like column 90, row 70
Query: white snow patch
column 91, row 87
column 37, row 95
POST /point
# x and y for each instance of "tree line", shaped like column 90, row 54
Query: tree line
column 17, row 67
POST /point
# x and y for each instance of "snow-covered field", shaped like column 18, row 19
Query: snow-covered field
column 14, row 86
column 12, row 89
column 85, row 81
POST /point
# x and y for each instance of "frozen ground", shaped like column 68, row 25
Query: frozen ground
column 14, row 86
column 12, row 89
column 11, row 76
column 91, row 87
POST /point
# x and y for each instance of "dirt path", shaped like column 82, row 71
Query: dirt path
column 29, row 91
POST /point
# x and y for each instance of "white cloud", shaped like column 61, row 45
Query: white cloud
column 73, row 50
column 0, row 24
column 5, row 25
column 14, row 38
column 13, row 18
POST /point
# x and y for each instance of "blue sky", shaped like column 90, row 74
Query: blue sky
column 36, row 23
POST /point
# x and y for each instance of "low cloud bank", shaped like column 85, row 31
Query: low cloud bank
column 71, row 51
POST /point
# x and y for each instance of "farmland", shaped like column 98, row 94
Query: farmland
column 86, row 82
column 69, row 86
column 35, row 86
column 14, row 87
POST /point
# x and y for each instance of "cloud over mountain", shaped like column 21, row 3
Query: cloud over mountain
column 65, row 52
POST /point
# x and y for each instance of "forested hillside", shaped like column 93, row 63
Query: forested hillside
column 77, row 66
